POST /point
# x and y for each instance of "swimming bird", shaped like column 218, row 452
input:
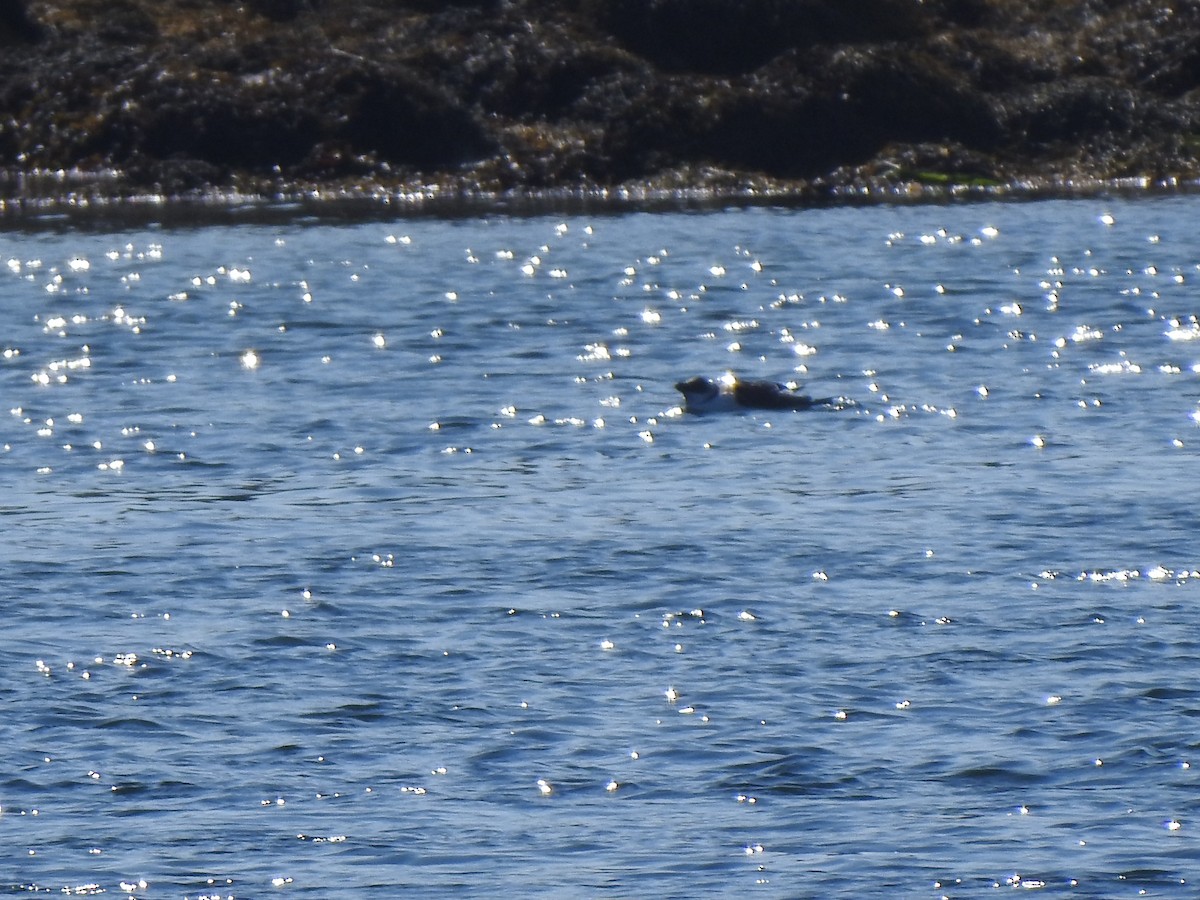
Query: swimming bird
column 701, row 395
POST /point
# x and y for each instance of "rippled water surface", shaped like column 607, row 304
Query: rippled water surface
column 344, row 560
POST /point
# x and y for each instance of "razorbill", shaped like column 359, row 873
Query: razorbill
column 701, row 395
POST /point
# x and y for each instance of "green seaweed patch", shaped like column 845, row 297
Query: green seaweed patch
column 956, row 179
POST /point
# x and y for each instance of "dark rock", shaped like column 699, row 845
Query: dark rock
column 279, row 118
column 212, row 121
column 785, row 122
column 1072, row 111
column 16, row 27
column 281, row 10
column 791, row 136
column 536, row 74
column 1151, row 45
column 961, row 14
column 403, row 120
column 738, row 36
column 801, row 95
column 897, row 93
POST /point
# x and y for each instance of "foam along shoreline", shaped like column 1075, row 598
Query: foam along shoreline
column 81, row 199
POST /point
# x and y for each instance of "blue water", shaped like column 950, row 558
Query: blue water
column 353, row 559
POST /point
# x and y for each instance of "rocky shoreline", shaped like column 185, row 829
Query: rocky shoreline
column 425, row 105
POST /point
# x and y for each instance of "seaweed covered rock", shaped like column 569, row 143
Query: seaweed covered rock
column 536, row 95
column 254, row 111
